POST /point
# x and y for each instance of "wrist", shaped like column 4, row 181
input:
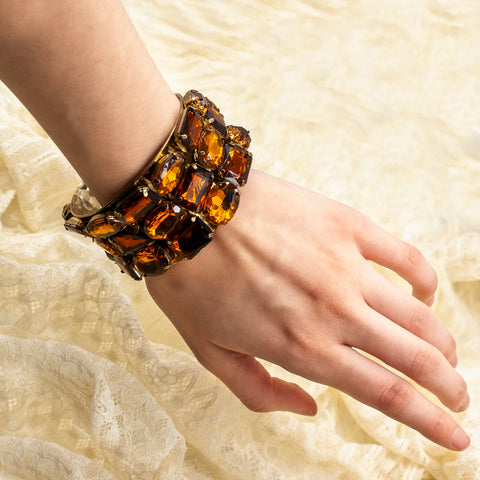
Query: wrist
column 100, row 97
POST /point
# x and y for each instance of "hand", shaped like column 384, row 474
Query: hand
column 288, row 280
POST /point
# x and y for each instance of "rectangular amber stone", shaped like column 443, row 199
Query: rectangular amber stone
column 191, row 238
column 237, row 162
column 189, row 130
column 127, row 243
column 137, row 205
column 194, row 187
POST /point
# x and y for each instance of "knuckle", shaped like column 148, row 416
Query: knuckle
column 440, row 424
column 260, row 403
column 255, row 405
column 416, row 260
column 416, row 320
column 424, row 363
column 413, row 256
column 394, row 397
column 451, row 346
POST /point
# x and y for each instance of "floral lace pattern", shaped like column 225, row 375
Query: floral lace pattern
column 350, row 98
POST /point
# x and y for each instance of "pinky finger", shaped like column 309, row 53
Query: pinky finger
column 248, row 379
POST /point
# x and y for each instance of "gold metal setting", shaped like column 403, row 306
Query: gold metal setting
column 172, row 209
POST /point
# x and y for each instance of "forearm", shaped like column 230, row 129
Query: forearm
column 83, row 72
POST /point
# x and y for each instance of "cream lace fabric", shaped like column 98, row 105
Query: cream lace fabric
column 376, row 104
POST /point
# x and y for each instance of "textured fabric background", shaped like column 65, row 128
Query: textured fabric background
column 376, row 104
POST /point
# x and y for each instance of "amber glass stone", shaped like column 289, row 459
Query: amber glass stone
column 221, row 203
column 216, row 119
column 196, row 99
column 126, row 265
column 194, row 187
column 151, row 260
column 238, row 162
column 191, row 238
column 210, row 149
column 107, row 246
column 105, row 225
column 137, row 205
column 163, row 219
column 239, row 136
column 128, row 243
column 189, row 131
column 167, row 172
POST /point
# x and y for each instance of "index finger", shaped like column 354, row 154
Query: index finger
column 380, row 246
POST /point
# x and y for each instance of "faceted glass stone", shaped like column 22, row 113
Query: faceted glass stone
column 195, row 186
column 238, row 162
column 163, row 219
column 137, row 205
column 239, row 136
column 210, row 149
column 196, row 99
column 105, row 225
column 189, row 131
column 191, row 238
column 167, row 173
column 216, row 119
column 151, row 260
column 127, row 243
column 83, row 202
column 221, row 203
column 108, row 247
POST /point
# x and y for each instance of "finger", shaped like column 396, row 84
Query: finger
column 410, row 355
column 379, row 388
column 254, row 386
column 393, row 303
column 381, row 247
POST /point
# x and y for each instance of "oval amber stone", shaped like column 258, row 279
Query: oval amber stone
column 210, row 149
column 162, row 220
column 167, row 173
column 106, row 246
column 104, row 225
column 221, row 203
column 151, row 260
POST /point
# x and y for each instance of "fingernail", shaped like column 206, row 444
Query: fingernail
column 454, row 361
column 465, row 404
column 460, row 440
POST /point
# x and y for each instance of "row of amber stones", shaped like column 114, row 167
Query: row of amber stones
column 174, row 207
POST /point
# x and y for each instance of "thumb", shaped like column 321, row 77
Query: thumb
column 248, row 379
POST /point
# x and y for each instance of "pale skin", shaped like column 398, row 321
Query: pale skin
column 288, row 280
